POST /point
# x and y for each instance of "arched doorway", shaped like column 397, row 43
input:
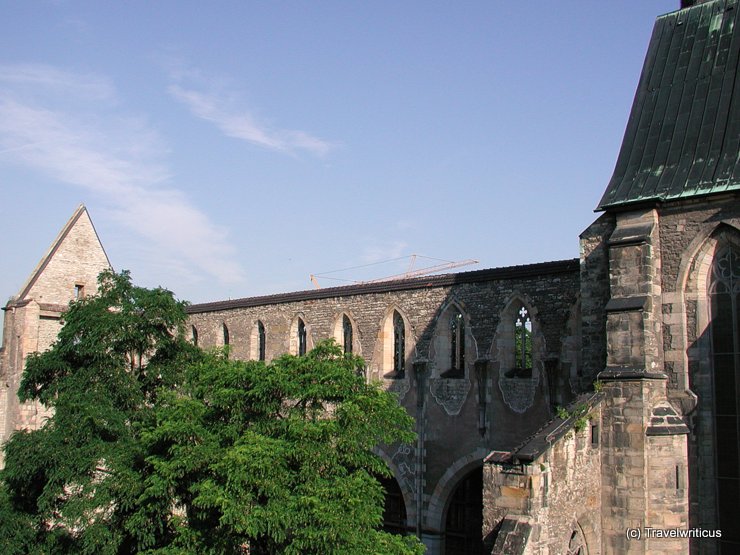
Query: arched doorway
column 394, row 511
column 464, row 520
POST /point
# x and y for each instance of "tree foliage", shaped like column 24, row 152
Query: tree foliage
column 158, row 447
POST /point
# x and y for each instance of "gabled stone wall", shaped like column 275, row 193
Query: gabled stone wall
column 32, row 319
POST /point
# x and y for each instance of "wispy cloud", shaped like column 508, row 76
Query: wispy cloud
column 33, row 77
column 225, row 110
column 64, row 125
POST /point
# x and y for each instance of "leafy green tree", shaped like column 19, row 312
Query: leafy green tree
column 77, row 480
column 157, row 447
column 276, row 456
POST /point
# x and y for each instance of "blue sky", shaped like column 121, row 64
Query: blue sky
column 229, row 149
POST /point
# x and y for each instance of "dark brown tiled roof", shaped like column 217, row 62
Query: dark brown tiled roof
column 683, row 135
column 510, row 272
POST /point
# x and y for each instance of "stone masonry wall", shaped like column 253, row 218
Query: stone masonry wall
column 33, row 318
column 691, row 232
column 594, row 295
column 451, row 419
column 556, row 498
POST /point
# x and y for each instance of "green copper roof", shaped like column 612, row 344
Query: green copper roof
column 683, row 135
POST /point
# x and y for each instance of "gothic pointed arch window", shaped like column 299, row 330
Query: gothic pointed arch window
column 395, row 345
column 347, row 334
column 194, row 332
column 399, row 345
column 257, row 341
column 523, row 342
column 724, row 297
column 260, row 340
column 225, row 331
column 457, row 341
column 450, row 343
column 519, row 342
column 301, row 337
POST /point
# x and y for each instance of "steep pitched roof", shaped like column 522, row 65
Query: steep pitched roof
column 683, row 135
column 80, row 212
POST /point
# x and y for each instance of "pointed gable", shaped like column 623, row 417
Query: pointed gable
column 71, row 265
column 683, row 135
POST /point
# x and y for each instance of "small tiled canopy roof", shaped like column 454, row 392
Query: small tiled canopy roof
column 683, row 135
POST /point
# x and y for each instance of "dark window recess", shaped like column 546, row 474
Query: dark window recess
column 347, row 334
column 79, row 291
column 194, row 331
column 457, row 346
column 301, row 338
column 399, row 346
column 261, row 339
column 226, row 334
column 724, row 292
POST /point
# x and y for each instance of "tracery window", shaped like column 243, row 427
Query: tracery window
column 523, row 340
column 261, row 340
column 724, row 293
column 450, row 343
column 301, row 336
column 347, row 334
column 226, row 334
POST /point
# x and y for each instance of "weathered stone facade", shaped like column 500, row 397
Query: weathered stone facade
column 482, row 409
column 482, row 359
column 69, row 269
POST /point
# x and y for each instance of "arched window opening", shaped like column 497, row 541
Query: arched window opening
column 301, row 337
column 194, row 332
column 522, row 343
column 394, row 346
column 399, row 346
column 457, row 341
column 226, row 334
column 261, row 340
column 347, row 334
column 724, row 293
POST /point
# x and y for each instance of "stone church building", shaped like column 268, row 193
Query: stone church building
column 638, row 340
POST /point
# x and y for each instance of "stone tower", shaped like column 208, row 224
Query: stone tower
column 68, row 271
column 670, row 237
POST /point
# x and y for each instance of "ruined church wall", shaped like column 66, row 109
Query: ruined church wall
column 514, row 407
